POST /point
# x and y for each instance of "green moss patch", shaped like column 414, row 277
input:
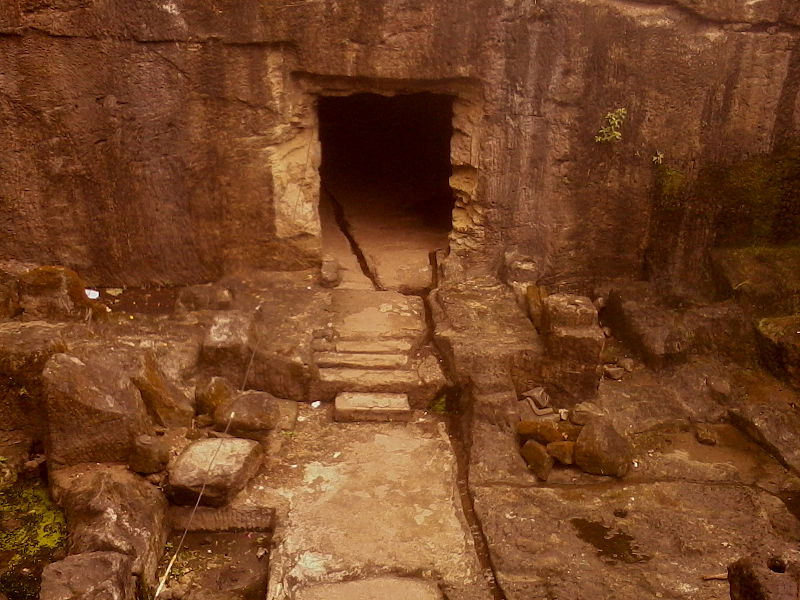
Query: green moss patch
column 32, row 533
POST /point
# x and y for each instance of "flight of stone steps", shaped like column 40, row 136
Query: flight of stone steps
column 371, row 361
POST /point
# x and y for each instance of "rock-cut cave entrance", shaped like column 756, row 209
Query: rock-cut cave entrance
column 385, row 199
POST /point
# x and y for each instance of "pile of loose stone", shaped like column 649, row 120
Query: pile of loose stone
column 583, row 436
column 129, row 449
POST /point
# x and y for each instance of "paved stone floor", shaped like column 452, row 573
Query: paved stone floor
column 366, row 499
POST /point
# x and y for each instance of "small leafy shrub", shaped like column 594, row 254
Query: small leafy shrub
column 610, row 131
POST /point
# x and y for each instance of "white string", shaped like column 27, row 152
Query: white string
column 163, row 581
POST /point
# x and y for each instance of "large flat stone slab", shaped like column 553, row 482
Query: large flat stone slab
column 365, row 499
column 379, row 588
column 371, row 316
column 360, row 406
column 361, row 360
column 374, row 347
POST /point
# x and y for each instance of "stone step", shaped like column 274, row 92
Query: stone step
column 334, row 380
column 360, row 360
column 370, row 406
column 374, row 346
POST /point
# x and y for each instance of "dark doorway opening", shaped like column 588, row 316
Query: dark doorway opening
column 385, row 171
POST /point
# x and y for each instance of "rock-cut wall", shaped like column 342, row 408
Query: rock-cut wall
column 171, row 141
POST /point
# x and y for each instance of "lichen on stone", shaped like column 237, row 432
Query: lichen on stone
column 32, row 531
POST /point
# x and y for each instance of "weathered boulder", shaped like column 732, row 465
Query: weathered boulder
column 269, row 350
column 83, row 397
column 108, row 508
column 212, row 394
column 135, row 357
column 537, row 459
column 168, row 405
column 601, row 450
column 779, row 345
column 55, row 293
column 250, row 414
column 89, row 576
column 756, row 578
column 219, row 468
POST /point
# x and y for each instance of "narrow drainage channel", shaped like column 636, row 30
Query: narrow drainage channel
column 468, row 508
column 462, row 459
column 344, row 227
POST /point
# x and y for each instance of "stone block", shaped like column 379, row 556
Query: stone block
column 547, row 431
column 219, row 467
column 567, row 310
column 359, row 406
column 537, row 459
column 563, row 452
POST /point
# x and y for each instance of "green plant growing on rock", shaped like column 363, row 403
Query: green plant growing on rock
column 611, row 130
column 439, row 405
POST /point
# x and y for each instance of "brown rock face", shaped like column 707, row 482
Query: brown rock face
column 601, row 450
column 196, row 151
column 9, row 295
